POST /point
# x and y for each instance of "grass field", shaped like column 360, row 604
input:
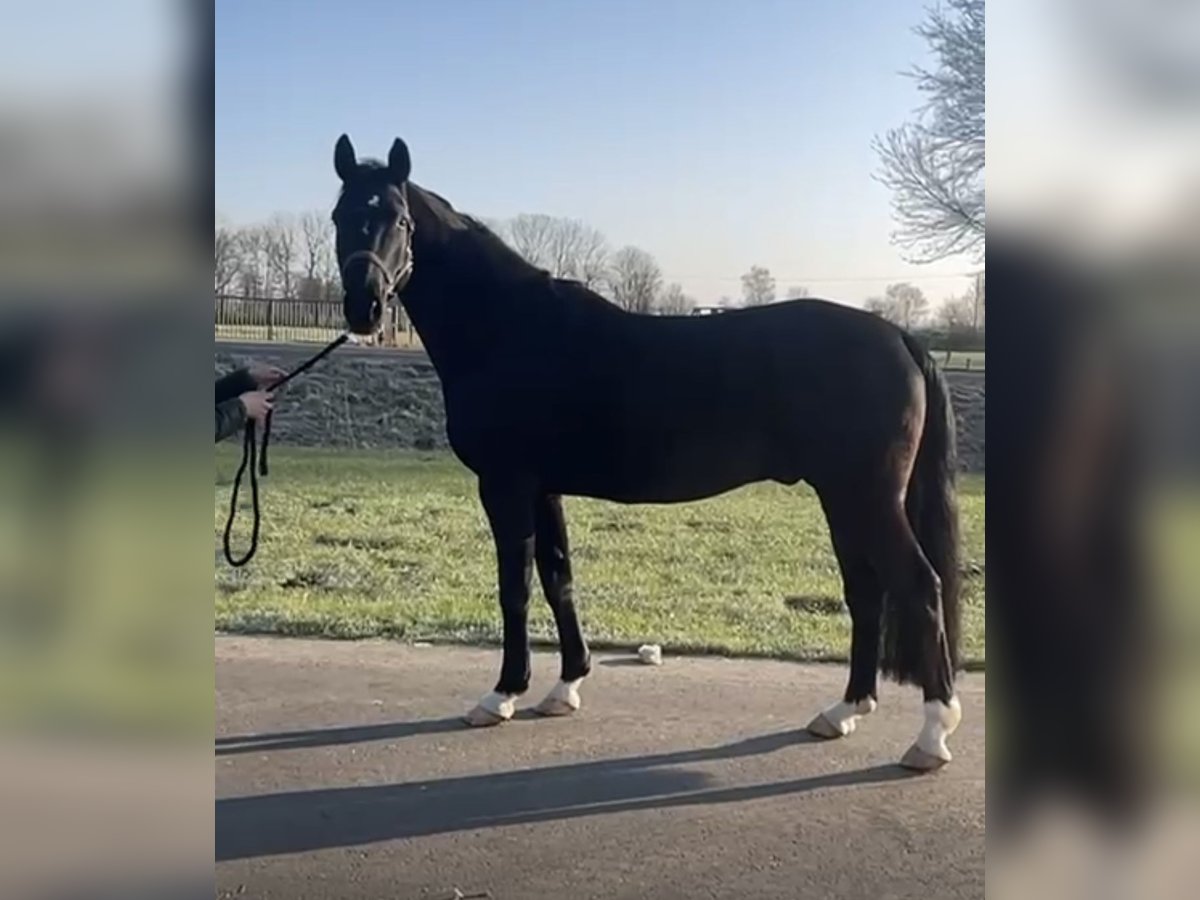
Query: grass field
column 395, row 544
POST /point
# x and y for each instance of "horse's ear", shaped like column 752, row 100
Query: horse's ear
column 399, row 163
column 345, row 163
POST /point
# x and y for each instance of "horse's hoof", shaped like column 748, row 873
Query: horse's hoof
column 821, row 727
column 492, row 710
column 552, row 706
column 482, row 718
column 563, row 700
column 918, row 760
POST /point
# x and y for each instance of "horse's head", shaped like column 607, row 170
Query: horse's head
column 374, row 232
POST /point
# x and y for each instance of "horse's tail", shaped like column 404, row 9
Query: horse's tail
column 932, row 507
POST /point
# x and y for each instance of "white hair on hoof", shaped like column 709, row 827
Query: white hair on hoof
column 840, row 719
column 492, row 710
column 930, row 751
column 562, row 700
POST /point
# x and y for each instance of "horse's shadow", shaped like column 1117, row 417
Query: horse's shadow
column 302, row 821
column 330, row 737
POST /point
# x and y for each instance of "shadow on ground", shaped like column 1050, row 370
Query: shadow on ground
column 300, row 821
column 331, row 737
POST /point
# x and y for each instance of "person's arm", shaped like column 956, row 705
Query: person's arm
column 231, row 417
column 235, row 384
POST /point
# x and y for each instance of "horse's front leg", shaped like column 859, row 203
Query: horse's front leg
column 553, row 555
column 509, row 504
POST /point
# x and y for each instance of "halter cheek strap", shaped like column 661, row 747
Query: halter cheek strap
column 392, row 280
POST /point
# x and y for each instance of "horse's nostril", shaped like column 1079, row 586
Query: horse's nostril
column 376, row 309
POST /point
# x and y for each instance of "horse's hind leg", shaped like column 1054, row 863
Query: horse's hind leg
column 916, row 649
column 864, row 596
column 553, row 556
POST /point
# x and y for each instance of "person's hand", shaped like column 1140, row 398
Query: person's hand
column 257, row 404
column 264, row 376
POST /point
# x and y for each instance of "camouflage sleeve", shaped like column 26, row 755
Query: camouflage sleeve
column 231, row 416
column 235, row 384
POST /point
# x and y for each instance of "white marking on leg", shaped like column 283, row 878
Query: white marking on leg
column 941, row 719
column 842, row 718
column 502, row 705
column 493, row 709
column 562, row 700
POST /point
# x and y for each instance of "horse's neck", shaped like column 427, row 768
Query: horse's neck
column 460, row 303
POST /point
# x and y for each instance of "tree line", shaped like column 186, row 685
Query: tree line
column 287, row 257
column 907, row 306
column 292, row 257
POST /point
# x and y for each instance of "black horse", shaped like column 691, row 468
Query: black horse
column 551, row 390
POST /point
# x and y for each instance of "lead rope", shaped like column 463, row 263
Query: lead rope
column 250, row 455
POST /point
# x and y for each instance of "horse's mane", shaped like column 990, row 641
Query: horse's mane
column 458, row 226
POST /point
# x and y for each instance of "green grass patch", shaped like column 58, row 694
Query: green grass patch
column 395, row 544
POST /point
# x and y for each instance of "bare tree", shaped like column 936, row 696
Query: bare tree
column 227, row 261
column 957, row 313
column 758, row 286
column 566, row 248
column 903, row 304
column 979, row 301
column 674, row 302
column 252, row 242
column 530, row 234
column 317, row 238
column 562, row 247
column 934, row 164
column 591, row 258
column 878, row 306
column 909, row 302
column 281, row 244
column 634, row 280
column 328, row 273
column 797, row 292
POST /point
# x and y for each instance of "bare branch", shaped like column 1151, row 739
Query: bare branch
column 903, row 304
column 634, row 280
column 674, row 302
column 227, row 261
column 934, row 165
column 531, row 235
column 280, row 249
column 320, row 265
column 565, row 248
column 758, row 286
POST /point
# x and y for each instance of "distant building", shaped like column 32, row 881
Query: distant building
column 708, row 310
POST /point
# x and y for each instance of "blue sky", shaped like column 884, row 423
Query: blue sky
column 714, row 135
